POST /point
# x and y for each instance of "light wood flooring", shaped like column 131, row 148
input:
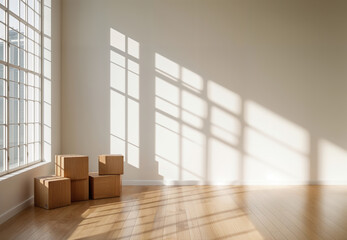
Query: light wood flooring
column 193, row 212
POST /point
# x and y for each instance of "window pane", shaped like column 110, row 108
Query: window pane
column 31, row 93
column 37, row 49
column 13, row 37
column 30, row 62
column 2, row 71
column 14, row 89
column 22, row 77
column 13, row 154
column 37, row 152
column 22, row 91
column 22, row 155
column 31, row 111
column 13, row 55
column 37, row 112
column 2, row 110
column 2, row 15
column 2, row 31
column 2, row 160
column 31, row 4
column 37, row 94
column 2, row 136
column 2, row 88
column 14, row 23
column 13, row 110
column 22, row 133
column 22, row 28
column 31, row 152
column 13, row 135
column 37, row 22
column 37, row 132
column 14, row 74
column 31, row 19
column 22, row 58
column 30, row 33
column 22, row 10
column 14, row 6
column 37, row 38
column 2, row 50
column 31, row 79
column 31, row 46
column 31, row 133
column 21, row 41
column 22, row 111
column 37, row 81
column 37, row 6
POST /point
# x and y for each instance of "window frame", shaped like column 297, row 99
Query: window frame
column 9, row 65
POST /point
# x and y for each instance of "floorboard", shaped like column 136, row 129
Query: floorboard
column 193, row 212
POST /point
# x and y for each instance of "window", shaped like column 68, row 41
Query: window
column 20, row 84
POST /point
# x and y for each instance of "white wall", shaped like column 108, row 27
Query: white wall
column 17, row 188
column 208, row 91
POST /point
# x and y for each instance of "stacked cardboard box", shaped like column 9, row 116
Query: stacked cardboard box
column 52, row 192
column 108, row 182
column 74, row 167
column 72, row 181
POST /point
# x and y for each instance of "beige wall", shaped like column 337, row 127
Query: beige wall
column 228, row 91
column 17, row 188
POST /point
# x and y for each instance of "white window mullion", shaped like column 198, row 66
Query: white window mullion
column 26, row 82
column 42, row 81
column 7, row 57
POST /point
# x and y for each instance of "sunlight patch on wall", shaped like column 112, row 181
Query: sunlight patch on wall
column 332, row 161
column 167, row 133
column 167, row 107
column 180, row 113
column 118, row 114
column 224, row 161
column 193, row 104
column 117, row 40
column 133, row 48
column 133, row 79
column 167, row 91
column 117, row 72
column 277, row 127
column 167, row 146
column 223, row 97
column 133, row 133
column 271, row 161
column 124, row 97
column 193, row 153
column 192, row 80
column 225, row 126
column 166, row 66
column 133, row 122
column 192, row 119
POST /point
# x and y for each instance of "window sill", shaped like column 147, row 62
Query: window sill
column 20, row 171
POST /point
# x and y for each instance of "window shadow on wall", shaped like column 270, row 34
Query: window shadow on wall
column 201, row 131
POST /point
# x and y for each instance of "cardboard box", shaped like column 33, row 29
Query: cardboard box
column 111, row 164
column 52, row 192
column 104, row 186
column 72, row 166
column 79, row 190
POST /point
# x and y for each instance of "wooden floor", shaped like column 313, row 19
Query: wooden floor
column 193, row 212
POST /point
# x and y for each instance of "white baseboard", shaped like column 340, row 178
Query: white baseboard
column 13, row 211
column 217, row 183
